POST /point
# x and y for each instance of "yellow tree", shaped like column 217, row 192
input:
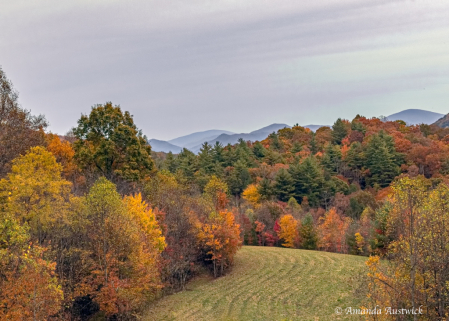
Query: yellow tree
column 252, row 195
column 215, row 191
column 144, row 216
column 35, row 193
column 417, row 272
column 288, row 231
column 145, row 255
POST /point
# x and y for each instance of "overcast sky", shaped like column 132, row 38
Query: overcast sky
column 181, row 66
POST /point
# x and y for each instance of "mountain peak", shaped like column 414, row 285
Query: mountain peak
column 416, row 116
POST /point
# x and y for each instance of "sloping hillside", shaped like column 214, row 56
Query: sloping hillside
column 163, row 146
column 443, row 122
column 271, row 284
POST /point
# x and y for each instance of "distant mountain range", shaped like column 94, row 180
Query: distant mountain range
column 194, row 141
column 164, row 146
column 416, row 116
column 198, row 138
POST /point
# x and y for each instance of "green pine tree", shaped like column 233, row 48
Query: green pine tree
column 205, row 159
column 398, row 158
column 188, row 163
column 275, row 143
column 284, row 185
column 339, row 131
column 296, row 148
column 358, row 126
column 380, row 161
column 239, row 178
column 265, row 189
column 272, row 157
column 331, row 160
column 171, row 163
column 229, row 156
column 258, row 150
column 313, row 145
column 308, row 180
column 243, row 153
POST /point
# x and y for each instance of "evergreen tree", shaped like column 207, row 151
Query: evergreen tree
column 284, row 185
column 308, row 180
column 308, row 233
column 265, row 189
column 355, row 158
column 332, row 159
column 358, row 126
column 229, row 156
column 188, row 163
column 258, row 150
column 296, row 148
column 275, row 143
column 398, row 158
column 239, row 178
column 205, row 159
column 380, row 162
column 313, row 145
column 339, row 131
column 217, row 154
column 171, row 163
column 272, row 157
column 243, row 153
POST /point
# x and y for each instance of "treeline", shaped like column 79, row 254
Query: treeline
column 89, row 228
column 367, row 187
column 331, row 184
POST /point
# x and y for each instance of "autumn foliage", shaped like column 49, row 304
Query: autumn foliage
column 97, row 226
column 332, row 232
column 288, row 231
column 219, row 236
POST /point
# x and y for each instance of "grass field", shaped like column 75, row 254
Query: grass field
column 269, row 283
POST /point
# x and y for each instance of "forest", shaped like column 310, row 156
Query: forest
column 94, row 225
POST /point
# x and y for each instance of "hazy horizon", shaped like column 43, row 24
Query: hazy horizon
column 187, row 66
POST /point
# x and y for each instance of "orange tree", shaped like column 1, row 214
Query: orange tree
column 219, row 238
column 29, row 288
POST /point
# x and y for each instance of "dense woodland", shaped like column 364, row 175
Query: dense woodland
column 94, row 224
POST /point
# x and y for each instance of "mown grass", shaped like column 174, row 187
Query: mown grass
column 269, row 283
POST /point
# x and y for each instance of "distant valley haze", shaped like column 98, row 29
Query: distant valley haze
column 184, row 67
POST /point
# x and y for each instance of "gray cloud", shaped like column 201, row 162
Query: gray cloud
column 184, row 66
